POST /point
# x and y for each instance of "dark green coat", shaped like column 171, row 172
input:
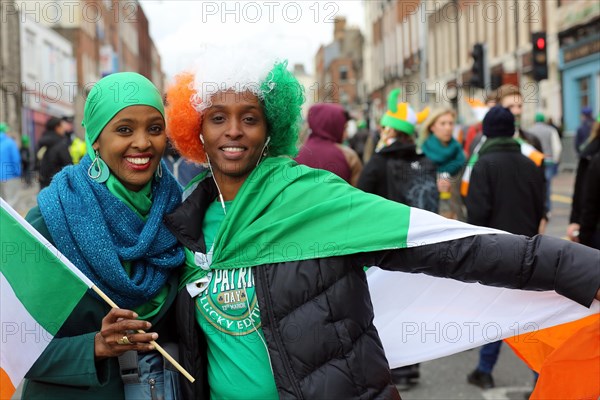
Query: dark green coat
column 67, row 369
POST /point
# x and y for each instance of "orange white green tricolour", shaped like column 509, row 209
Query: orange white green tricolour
column 39, row 289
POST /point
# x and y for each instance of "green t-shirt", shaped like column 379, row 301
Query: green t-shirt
column 238, row 361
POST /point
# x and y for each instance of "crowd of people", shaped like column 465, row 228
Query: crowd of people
column 209, row 267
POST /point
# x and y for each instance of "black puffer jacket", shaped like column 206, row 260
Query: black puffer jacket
column 317, row 315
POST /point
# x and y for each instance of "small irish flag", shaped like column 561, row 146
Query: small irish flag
column 39, row 288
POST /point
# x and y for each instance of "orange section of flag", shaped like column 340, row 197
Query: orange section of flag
column 537, row 157
column 6, row 387
column 567, row 357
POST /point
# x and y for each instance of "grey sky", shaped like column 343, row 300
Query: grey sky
column 286, row 29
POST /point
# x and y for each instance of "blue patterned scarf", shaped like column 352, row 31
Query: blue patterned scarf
column 97, row 233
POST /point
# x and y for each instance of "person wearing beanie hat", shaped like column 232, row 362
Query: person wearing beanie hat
column 274, row 247
column 552, row 147
column 499, row 122
column 105, row 214
column 506, row 192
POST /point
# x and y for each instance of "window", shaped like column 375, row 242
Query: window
column 343, row 73
column 584, row 91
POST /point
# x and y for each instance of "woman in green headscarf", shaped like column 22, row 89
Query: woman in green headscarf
column 105, row 215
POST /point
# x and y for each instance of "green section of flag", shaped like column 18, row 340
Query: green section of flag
column 45, row 285
column 287, row 212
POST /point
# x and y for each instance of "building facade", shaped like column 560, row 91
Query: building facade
column 579, row 59
column 10, row 68
column 339, row 68
column 48, row 78
column 107, row 36
column 425, row 48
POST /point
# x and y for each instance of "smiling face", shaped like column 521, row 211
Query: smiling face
column 442, row 127
column 234, row 130
column 132, row 144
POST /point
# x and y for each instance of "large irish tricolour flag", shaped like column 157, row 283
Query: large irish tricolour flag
column 39, row 288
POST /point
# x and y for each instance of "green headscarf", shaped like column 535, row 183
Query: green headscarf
column 112, row 94
column 108, row 97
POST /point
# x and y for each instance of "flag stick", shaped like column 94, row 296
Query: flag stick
column 158, row 347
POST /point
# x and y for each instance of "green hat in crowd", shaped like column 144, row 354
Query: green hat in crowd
column 25, row 140
column 3, row 127
column 401, row 116
column 539, row 117
column 112, row 94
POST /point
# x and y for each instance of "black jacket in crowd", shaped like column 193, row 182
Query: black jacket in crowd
column 590, row 210
column 506, row 191
column 585, row 159
column 374, row 179
column 55, row 157
column 317, row 316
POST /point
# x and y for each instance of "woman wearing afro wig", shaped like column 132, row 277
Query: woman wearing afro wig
column 273, row 300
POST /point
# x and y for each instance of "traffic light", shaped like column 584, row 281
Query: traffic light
column 539, row 56
column 478, row 68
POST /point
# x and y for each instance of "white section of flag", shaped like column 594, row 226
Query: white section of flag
column 21, row 334
column 421, row 318
column 428, row 228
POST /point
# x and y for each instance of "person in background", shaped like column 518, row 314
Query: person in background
column 53, row 150
column 396, row 172
column 183, row 171
column 509, row 96
column 10, row 167
column 506, row 193
column 359, row 140
column 25, row 152
column 552, row 147
column 590, row 213
column 446, row 152
column 324, row 149
column 590, row 150
column 584, row 130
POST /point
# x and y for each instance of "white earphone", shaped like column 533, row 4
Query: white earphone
column 202, row 138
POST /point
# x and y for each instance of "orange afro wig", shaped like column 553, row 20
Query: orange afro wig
column 280, row 94
column 183, row 121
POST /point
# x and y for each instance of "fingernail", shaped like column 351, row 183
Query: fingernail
column 151, row 347
column 148, row 325
column 154, row 336
column 135, row 315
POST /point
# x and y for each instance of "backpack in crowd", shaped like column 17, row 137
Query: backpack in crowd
column 413, row 182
